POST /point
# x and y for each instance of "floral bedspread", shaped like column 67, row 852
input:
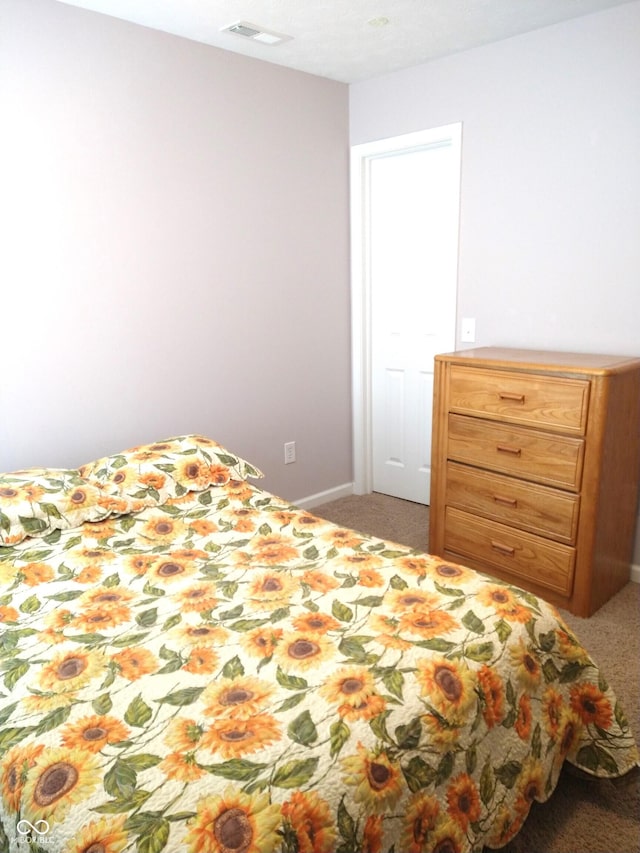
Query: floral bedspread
column 203, row 668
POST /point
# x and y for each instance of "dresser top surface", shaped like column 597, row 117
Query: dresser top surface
column 542, row 360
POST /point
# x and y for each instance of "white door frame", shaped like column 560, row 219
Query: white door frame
column 361, row 157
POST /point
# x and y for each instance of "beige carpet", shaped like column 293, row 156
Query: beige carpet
column 583, row 815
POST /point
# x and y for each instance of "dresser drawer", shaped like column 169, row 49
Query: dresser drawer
column 523, row 555
column 537, row 509
column 553, row 460
column 550, row 402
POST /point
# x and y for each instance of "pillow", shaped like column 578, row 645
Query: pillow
column 155, row 473
column 37, row 501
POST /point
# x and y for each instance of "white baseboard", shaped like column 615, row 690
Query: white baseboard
column 635, row 573
column 343, row 491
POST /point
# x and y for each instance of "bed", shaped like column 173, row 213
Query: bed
column 192, row 664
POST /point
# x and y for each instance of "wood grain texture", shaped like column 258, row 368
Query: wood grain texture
column 543, row 448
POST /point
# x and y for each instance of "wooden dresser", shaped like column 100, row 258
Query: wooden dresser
column 535, row 469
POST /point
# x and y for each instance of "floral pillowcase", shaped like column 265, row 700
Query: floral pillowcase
column 157, row 473
column 37, row 501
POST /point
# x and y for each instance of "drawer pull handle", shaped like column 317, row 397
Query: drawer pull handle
column 508, row 395
column 501, row 499
column 507, row 550
column 508, row 448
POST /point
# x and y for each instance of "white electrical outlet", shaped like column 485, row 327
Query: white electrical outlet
column 289, row 452
column 468, row 330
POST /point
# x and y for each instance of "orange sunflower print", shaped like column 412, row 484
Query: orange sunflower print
column 378, row 782
column 91, row 556
column 261, row 642
column 239, row 698
column 493, row 696
column 414, row 565
column 242, row 519
column 440, row 731
column 271, row 589
column 197, row 598
column 351, row 685
column 402, row 600
column 139, row 564
column 15, row 767
column 163, row 528
column 111, row 596
column 8, row 614
column 449, row 686
column 530, row 786
column 201, row 634
column 591, row 705
column 449, row 574
column 274, row 549
column 193, row 473
column 238, row 490
column 89, row 574
column 343, row 538
column 312, row 822
column 308, row 521
column 385, row 629
column 183, row 734
column 505, row 827
column 428, row 623
column 42, row 703
column 203, row 527
column 170, row 569
column 102, row 618
column 106, row 835
column 135, row 662
column 182, row 767
column 419, row 821
column 366, row 710
column 570, row 648
column 34, row 574
column 360, row 561
column 299, row 652
column 526, row 666
column 524, row 718
column 463, row 801
column 446, row 837
column 570, row 729
column 234, row 822
column 504, row 602
column 93, row 733
column 319, row 581
column 218, row 475
column 59, row 779
column 316, row 623
column 552, row 704
column 201, row 660
column 372, row 835
column 234, row 738
column 70, row 671
column 370, row 578
column 153, row 480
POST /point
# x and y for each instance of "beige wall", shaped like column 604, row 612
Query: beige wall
column 550, row 200
column 175, row 249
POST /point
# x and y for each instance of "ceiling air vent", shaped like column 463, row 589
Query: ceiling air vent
column 255, row 33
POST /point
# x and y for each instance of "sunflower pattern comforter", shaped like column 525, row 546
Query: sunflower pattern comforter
column 189, row 664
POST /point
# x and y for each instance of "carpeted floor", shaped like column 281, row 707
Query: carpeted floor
column 583, row 815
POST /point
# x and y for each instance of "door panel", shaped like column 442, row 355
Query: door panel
column 413, row 241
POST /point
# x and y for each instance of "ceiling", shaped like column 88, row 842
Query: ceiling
column 349, row 40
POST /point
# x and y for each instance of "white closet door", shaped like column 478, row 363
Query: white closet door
column 413, row 198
